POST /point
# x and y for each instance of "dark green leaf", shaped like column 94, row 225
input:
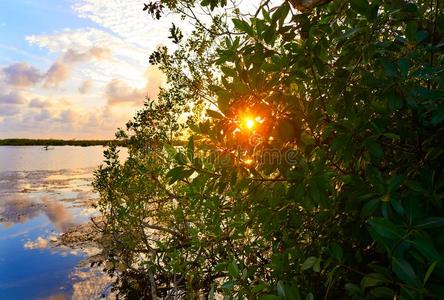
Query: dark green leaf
column 432, row 222
column 386, row 228
column 404, row 271
column 373, row 279
column 360, row 6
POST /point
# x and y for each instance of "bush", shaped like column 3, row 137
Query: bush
column 310, row 165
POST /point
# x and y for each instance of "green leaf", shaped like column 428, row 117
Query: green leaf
column 214, row 114
column 281, row 13
column 270, row 297
column 317, row 265
column 360, row 6
column 372, row 12
column 287, row 132
column 386, row 228
column 373, row 147
column 228, row 285
column 404, row 66
column 233, row 269
column 382, row 292
column 432, row 222
column 309, row 263
column 337, row 252
column 288, row 290
column 373, row 279
column 370, row 207
column 426, row 248
column 170, row 150
column 180, row 158
column 429, row 272
column 391, row 136
column 438, row 115
column 259, row 288
column 395, row 182
column 404, row 271
column 178, row 173
column 190, row 148
column 421, row 36
column 211, row 294
column 353, row 290
column 410, row 31
column 397, row 206
column 243, row 26
column 229, row 71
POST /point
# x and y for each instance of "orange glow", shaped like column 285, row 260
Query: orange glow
column 249, row 122
column 248, row 161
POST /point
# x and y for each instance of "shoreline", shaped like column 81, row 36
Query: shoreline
column 58, row 142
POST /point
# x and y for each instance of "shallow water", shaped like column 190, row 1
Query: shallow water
column 44, row 193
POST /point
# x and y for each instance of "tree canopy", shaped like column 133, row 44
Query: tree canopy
column 296, row 152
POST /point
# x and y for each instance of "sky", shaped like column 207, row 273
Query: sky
column 75, row 69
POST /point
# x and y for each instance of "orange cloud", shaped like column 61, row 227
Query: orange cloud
column 73, row 56
column 58, row 73
column 118, row 92
column 86, row 86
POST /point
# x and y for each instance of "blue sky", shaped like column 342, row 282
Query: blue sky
column 75, row 68
column 21, row 18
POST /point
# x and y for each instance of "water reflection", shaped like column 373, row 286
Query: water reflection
column 37, row 205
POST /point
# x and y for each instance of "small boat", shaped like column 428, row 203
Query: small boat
column 48, row 148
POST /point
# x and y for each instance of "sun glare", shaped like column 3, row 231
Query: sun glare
column 249, row 122
column 248, row 161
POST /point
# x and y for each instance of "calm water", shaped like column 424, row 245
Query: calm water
column 44, row 193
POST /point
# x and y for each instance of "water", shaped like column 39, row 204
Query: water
column 44, row 193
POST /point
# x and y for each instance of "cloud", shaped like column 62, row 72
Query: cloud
column 117, row 91
column 85, row 39
column 155, row 79
column 37, row 103
column 68, row 117
column 86, row 86
column 126, row 19
column 61, row 69
column 22, row 75
column 82, row 65
column 8, row 110
column 58, row 73
column 59, row 215
column 91, row 284
column 44, row 115
column 19, row 210
column 73, row 56
column 39, row 243
column 12, row 98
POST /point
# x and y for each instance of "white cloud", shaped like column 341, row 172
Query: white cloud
column 101, row 73
column 127, row 19
column 39, row 243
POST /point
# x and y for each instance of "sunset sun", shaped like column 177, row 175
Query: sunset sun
column 249, row 123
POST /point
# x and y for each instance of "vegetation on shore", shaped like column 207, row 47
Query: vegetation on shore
column 314, row 167
column 55, row 142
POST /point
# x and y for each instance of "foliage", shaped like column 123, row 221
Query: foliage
column 310, row 165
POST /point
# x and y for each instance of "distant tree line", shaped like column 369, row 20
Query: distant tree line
column 55, row 142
